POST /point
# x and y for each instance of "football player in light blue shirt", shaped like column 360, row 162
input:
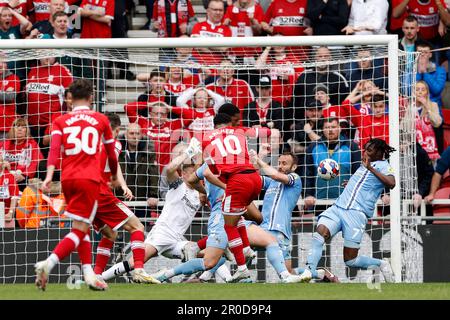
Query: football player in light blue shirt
column 352, row 209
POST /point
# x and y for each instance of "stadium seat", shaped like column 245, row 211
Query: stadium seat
column 440, row 210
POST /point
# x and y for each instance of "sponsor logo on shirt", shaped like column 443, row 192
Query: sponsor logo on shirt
column 41, row 7
column 288, row 21
column 208, row 34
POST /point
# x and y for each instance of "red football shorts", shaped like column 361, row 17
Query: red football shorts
column 81, row 196
column 242, row 189
column 111, row 212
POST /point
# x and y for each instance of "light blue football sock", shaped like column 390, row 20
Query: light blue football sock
column 316, row 252
column 275, row 257
column 189, row 267
column 363, row 262
column 218, row 265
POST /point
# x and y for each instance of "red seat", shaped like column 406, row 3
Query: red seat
column 442, row 209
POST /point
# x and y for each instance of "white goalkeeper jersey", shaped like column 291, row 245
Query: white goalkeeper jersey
column 182, row 203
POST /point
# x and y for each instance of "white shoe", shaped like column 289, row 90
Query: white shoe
column 95, row 283
column 292, row 279
column 387, row 272
column 190, row 251
column 249, row 254
column 41, row 269
column 241, row 276
column 306, row 276
column 140, row 276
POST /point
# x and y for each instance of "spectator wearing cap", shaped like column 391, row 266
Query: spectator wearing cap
column 331, row 145
column 327, row 17
column 323, row 72
column 264, row 111
column 367, row 68
column 329, row 110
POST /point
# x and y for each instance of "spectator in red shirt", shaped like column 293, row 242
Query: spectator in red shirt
column 97, row 16
column 235, row 91
column 244, row 18
column 21, row 152
column 156, row 81
column 41, row 8
column 427, row 14
column 45, row 88
column 287, row 17
column 165, row 133
column 286, row 68
column 176, row 80
column 9, row 193
column 212, row 27
column 45, row 26
column 20, row 6
column 9, row 88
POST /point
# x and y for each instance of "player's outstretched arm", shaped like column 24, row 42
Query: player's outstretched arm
column 193, row 149
column 267, row 169
column 213, row 179
column 388, row 180
column 194, row 181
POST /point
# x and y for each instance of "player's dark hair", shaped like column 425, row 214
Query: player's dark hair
column 293, row 156
column 411, row 18
column 331, row 119
column 221, row 118
column 229, row 109
column 81, row 89
column 114, row 120
column 381, row 146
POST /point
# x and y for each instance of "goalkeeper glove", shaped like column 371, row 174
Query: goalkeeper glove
column 193, row 148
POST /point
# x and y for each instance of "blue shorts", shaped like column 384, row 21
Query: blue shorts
column 283, row 242
column 352, row 223
column 217, row 237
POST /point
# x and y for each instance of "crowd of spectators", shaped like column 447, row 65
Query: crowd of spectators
column 326, row 109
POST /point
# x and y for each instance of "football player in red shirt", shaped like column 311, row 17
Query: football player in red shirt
column 113, row 214
column 225, row 151
column 78, row 134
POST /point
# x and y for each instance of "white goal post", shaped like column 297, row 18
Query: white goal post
column 389, row 41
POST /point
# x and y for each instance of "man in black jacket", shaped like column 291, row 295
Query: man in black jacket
column 328, row 17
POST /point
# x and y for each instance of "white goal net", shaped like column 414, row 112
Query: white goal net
column 327, row 97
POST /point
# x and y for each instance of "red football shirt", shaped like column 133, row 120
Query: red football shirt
column 165, row 137
column 8, row 188
column 174, row 7
column 428, row 16
column 95, row 29
column 24, row 156
column 82, row 132
column 207, row 29
column 23, row 7
column 241, row 26
column 237, row 92
column 287, row 18
column 45, row 91
column 10, row 84
column 225, row 150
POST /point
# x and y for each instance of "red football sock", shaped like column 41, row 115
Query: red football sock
column 138, row 249
column 202, row 242
column 103, row 253
column 68, row 244
column 235, row 244
column 243, row 233
column 84, row 251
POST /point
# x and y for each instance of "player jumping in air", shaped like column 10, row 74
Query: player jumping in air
column 181, row 204
column 351, row 210
column 78, row 134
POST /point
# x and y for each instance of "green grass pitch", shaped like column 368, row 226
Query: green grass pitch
column 256, row 291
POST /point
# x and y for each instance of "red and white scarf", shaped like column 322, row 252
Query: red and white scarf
column 165, row 16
